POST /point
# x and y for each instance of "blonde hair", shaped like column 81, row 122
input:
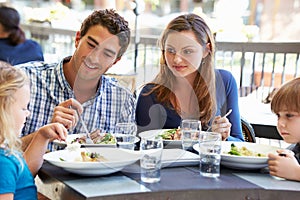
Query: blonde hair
column 11, row 79
column 287, row 97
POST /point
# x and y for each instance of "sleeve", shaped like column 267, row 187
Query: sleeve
column 8, row 175
column 231, row 91
column 128, row 108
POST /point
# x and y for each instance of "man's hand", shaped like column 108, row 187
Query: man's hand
column 66, row 114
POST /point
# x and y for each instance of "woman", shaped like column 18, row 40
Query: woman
column 14, row 47
column 187, row 85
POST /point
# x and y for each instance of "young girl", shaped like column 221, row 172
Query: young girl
column 16, row 177
column 286, row 105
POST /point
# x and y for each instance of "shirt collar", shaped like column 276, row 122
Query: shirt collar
column 64, row 84
column 59, row 71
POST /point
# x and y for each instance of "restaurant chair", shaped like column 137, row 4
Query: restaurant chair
column 248, row 131
column 42, row 197
column 127, row 80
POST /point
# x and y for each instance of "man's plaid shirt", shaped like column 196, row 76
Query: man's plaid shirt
column 111, row 104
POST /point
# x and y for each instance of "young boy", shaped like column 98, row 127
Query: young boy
column 286, row 105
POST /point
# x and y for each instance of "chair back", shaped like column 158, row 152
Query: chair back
column 248, row 131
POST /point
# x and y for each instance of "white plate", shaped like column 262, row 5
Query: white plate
column 244, row 162
column 117, row 159
column 179, row 157
column 167, row 143
column 70, row 138
column 170, row 158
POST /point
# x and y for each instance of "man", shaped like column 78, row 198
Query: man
column 78, row 84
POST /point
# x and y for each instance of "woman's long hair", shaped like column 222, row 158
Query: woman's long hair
column 204, row 83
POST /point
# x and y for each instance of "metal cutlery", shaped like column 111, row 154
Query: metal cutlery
column 88, row 138
column 228, row 113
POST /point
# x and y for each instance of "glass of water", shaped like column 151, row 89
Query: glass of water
column 210, row 153
column 150, row 163
column 125, row 134
column 190, row 130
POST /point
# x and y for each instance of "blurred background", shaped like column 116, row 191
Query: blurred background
column 232, row 20
column 53, row 23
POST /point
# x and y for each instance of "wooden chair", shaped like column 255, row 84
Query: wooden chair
column 248, row 131
column 42, row 197
column 127, row 80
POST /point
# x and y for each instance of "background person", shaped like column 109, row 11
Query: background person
column 286, row 105
column 188, row 85
column 14, row 47
column 16, row 177
column 78, row 81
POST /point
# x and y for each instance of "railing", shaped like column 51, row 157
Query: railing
column 258, row 67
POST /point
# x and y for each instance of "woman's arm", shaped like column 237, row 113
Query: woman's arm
column 234, row 118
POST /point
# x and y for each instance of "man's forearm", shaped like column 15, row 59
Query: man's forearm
column 26, row 140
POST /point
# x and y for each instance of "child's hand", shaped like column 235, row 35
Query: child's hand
column 53, row 131
column 283, row 165
column 221, row 125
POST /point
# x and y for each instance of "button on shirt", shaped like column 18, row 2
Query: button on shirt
column 111, row 104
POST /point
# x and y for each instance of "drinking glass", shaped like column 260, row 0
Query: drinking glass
column 125, row 135
column 151, row 149
column 210, row 153
column 190, row 130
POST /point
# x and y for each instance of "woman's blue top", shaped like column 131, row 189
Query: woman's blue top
column 151, row 114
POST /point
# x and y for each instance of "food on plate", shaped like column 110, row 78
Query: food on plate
column 91, row 157
column 243, row 151
column 105, row 138
column 172, row 134
column 88, row 157
column 80, row 140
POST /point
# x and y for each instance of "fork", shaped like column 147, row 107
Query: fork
column 87, row 133
column 228, row 113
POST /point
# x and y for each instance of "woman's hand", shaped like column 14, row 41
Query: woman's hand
column 221, row 125
column 66, row 114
